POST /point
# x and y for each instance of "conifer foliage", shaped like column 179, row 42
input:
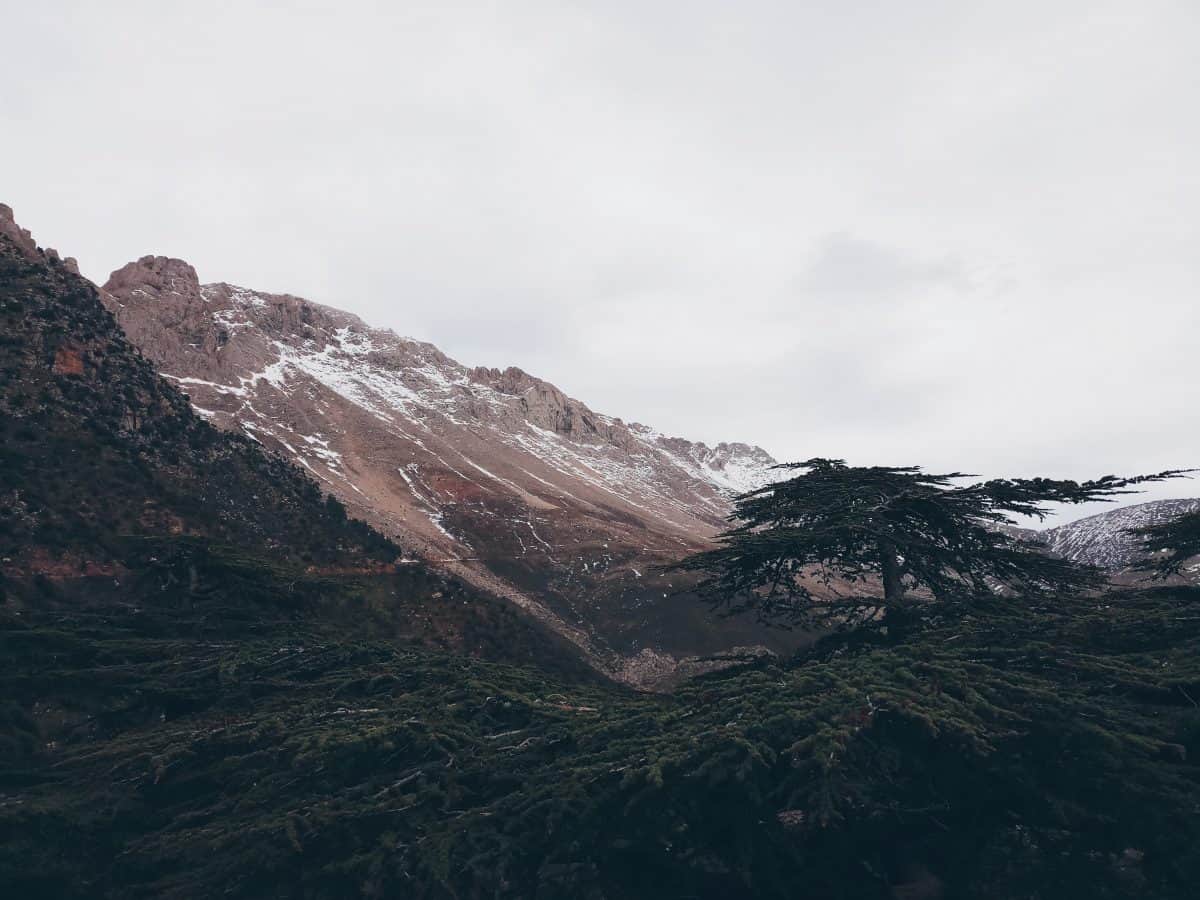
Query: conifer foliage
column 1168, row 545
column 816, row 545
column 1016, row 750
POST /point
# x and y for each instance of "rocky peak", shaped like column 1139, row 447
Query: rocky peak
column 161, row 290
column 283, row 317
column 159, row 277
column 158, row 302
column 20, row 237
column 27, row 247
column 68, row 262
column 545, row 406
column 727, row 455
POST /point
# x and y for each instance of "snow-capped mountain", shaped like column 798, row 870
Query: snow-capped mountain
column 1104, row 540
column 496, row 474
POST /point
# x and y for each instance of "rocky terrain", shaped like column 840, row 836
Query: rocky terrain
column 496, row 475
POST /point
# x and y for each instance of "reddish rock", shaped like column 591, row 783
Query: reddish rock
column 68, row 361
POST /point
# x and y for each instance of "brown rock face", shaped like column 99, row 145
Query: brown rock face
column 22, row 240
column 496, row 474
column 68, row 361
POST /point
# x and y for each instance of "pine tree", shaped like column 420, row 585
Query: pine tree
column 1168, row 545
column 842, row 543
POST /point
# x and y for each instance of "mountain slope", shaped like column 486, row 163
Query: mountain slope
column 96, row 445
column 1104, row 540
column 113, row 490
column 496, row 475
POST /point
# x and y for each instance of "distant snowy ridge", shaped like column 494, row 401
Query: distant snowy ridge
column 1104, row 540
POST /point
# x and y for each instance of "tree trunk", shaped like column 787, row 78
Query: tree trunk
column 893, row 585
column 897, row 615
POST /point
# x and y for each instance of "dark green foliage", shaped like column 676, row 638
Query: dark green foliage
column 1168, row 545
column 1015, row 750
column 838, row 527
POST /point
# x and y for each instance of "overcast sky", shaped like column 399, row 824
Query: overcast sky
column 962, row 234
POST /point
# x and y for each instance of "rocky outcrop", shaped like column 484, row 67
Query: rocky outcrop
column 20, row 240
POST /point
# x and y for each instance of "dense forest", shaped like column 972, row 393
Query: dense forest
column 263, row 743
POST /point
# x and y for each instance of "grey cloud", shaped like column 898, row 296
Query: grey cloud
column 849, row 266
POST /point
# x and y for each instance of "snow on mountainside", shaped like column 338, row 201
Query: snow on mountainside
column 1103, row 540
column 496, row 473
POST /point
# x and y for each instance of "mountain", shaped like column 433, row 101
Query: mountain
column 114, row 491
column 130, row 455
column 1104, row 540
column 494, row 474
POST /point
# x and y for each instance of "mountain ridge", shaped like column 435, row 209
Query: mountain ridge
column 495, row 474
column 1105, row 539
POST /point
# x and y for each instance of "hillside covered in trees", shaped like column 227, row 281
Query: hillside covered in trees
column 1009, row 751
